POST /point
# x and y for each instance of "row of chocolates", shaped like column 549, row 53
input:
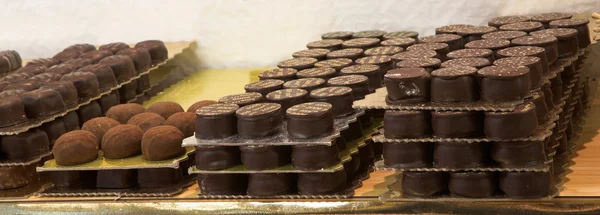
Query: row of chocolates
column 10, row 60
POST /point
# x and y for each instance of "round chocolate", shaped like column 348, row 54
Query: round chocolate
column 114, row 47
column 123, row 112
column 261, row 157
column 384, row 50
column 351, row 53
column 314, row 157
column 122, row 141
column 526, row 185
column 319, row 72
column 450, row 29
column 309, row 120
column 75, row 147
column 473, row 184
column 546, row 18
column 161, row 143
column 459, row 155
column 330, row 44
column 407, row 85
column 399, row 42
column 284, row 74
column 401, row 34
column 504, row 83
column 200, row 104
column 406, row 124
column 471, row 53
column 441, row 48
column 492, row 44
column 518, row 154
column 424, row 184
column 217, row 157
column 61, row 69
column 533, row 63
column 298, row 63
column 369, row 34
column 371, row 71
column 242, row 99
column 454, row 41
column 99, row 125
column 339, row 97
column 259, row 120
column 501, row 125
column 358, row 83
column 541, row 109
column 340, row 35
column 567, row 40
column 362, row 43
column 184, row 121
column 549, row 43
column 318, row 54
column 474, row 33
column 414, row 53
column 454, row 84
column 216, row 121
column 503, row 20
column 337, row 63
column 264, row 86
column 288, row 97
column 140, row 56
column 307, row 84
column 147, row 120
column 165, row 109
column 428, row 63
column 322, row 183
column 504, row 35
column 581, row 25
column 527, row 27
column 456, row 124
column 407, row 155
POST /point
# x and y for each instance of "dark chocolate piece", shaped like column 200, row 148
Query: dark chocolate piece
column 25, row 145
column 383, row 50
column 319, row 72
column 500, row 83
column 424, row 184
column 242, row 99
column 406, row 123
column 541, row 109
column 46, row 77
column 265, row 157
column 86, row 83
column 451, row 29
column 298, row 63
column 472, row 53
column 61, row 69
column 369, row 34
column 108, row 101
column 124, row 112
column 75, row 147
column 270, row 184
column 28, row 85
column 99, row 126
column 217, row 157
column 401, row 34
column 165, row 109
column 456, row 124
column 414, row 53
column 351, row 167
column 222, row 184
column 526, row 185
column 336, row 63
column 557, row 89
column 567, row 40
column 407, row 155
column 319, row 54
column 549, row 54
column 402, row 43
column 371, row 71
column 518, row 154
column 309, row 120
column 340, row 35
column 441, row 49
column 96, row 55
column 503, row 20
column 9, row 61
column 339, row 97
column 122, row 67
column 459, row 155
column 314, row 157
column 66, row 55
column 158, row 177
column 454, row 41
column 321, row 183
column 454, row 84
column 501, row 125
column 89, row 111
column 534, row 64
column 384, row 62
column 287, row 97
column 81, row 47
column 216, row 121
column 161, row 143
column 546, row 18
column 354, row 131
column 147, row 120
column 474, row 33
column 361, row 43
column 492, row 44
column 143, row 84
column 408, row 85
column 116, row 179
column 104, row 74
column 54, row 129
column 140, row 57
column 157, row 49
column 523, row 26
column 329, row 44
column 74, row 179
column 71, row 121
column 428, row 64
column 114, row 47
column 504, row 35
column 122, row 141
column 259, row 120
column 284, row 74
column 48, row 62
column 307, row 84
column 42, row 102
column 200, row 104
column 78, row 63
column 351, row 53
column 473, row 184
column 12, row 109
column 358, row 83
column 581, row 25
column 548, row 97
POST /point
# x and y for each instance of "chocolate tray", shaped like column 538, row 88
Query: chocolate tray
column 136, row 162
column 280, row 138
column 32, row 123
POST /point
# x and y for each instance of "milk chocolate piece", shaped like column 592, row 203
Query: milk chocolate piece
column 361, row 43
column 350, row 53
column 89, row 111
column 47, row 62
column 454, row 41
column 78, row 63
column 567, row 40
column 161, row 143
column 526, row 185
column 518, row 154
column 216, row 121
column 336, row 63
column 122, row 67
column 406, row 123
column 222, row 184
column 504, row 35
column 402, row 43
column 441, row 49
column 371, row 71
column 501, row 125
column 116, row 179
column 264, row 87
column 541, row 109
column 522, row 26
column 451, row 29
column 472, row 53
column 407, row 85
column 424, row 184
column 473, row 184
column 122, row 141
column 242, row 99
column 114, row 47
column 96, row 55
column 339, row 97
column 259, row 120
column 340, row 35
column 320, row 72
column 158, row 177
column 104, row 74
column 12, row 110
column 24, row 145
column 309, row 120
column 141, row 58
column 456, row 124
column 401, row 34
column 124, row 112
column 314, row 157
column 75, row 147
column 319, row 54
column 503, row 20
column 86, row 83
column 454, row 84
column 54, row 129
column 66, row 55
column 217, row 157
column 358, row 83
column 307, row 84
column 546, row 18
column 534, row 64
column 369, row 34
column 407, row 155
column 581, row 25
column 99, row 126
column 288, row 97
column 265, row 157
column 74, row 179
column 321, row 183
column 459, row 155
column 384, row 62
column 329, row 44
column 157, row 49
column 298, row 63
column 42, row 102
column 270, row 184
column 428, row 64
column 9, row 61
column 383, row 50
column 499, row 83
column 285, row 74
column 491, row 44
column 474, row 33
column 81, row 47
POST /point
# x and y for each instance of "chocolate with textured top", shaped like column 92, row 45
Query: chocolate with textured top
column 319, row 54
column 581, row 25
column 503, row 20
column 307, row 84
column 450, row 29
column 414, row 53
column 522, row 26
column 9, row 61
column 339, row 97
column 264, row 86
column 492, row 44
column 518, row 154
column 122, row 66
column 369, row 34
column 428, row 64
column 309, row 120
column 358, row 83
column 534, row 65
column 504, row 35
column 456, row 124
column 114, row 47
column 337, row 63
column 217, row 157
column 474, row 33
column 157, row 49
column 284, row 74
column 96, row 55
column 401, row 34
column 424, row 184
column 406, row 124
column 140, row 57
column 259, row 120
column 362, row 43
column 329, row 44
column 161, row 143
column 340, row 35
column 459, row 155
column 314, row 157
column 216, row 121
column 526, row 185
column 541, row 109
column 263, row 157
column 47, row 62
column 288, row 97
column 24, row 145
column 75, row 147
column 501, row 83
column 524, row 51
column 320, row 72
column 351, row 53
column 501, row 125
column 321, row 183
column 454, row 84
column 441, row 48
column 42, row 102
column 104, row 74
column 472, row 53
column 567, row 40
column 242, row 99
column 122, row 141
column 473, row 184
column 407, row 155
column 399, row 42
column 298, row 63
column 407, row 85
column 454, row 41
column 546, row 18
column 384, row 50
column 370, row 70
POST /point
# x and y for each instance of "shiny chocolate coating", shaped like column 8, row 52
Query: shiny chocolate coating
column 455, row 84
column 406, row 124
column 321, row 183
column 459, row 155
column 407, row 155
column 424, row 184
column 526, row 185
column 309, row 120
column 456, row 124
column 217, row 157
column 216, row 121
column 116, row 179
column 501, row 125
column 473, row 184
column 407, row 85
column 504, row 83
column 518, row 154
column 259, row 120
column 314, row 157
column 265, row 157
column 270, row 184
column 158, row 177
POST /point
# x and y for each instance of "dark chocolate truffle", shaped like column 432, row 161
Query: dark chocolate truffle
column 140, row 57
column 42, row 102
column 518, row 154
column 298, row 63
column 384, row 50
column 455, row 84
column 459, row 155
column 336, row 63
column 200, row 104
column 216, row 121
column 322, row 183
column 407, row 85
column 319, row 54
column 99, row 125
column 264, row 86
column 261, row 157
column 270, row 184
column 106, row 77
column 86, row 83
column 406, row 124
column 124, row 112
column 96, row 55
column 184, row 121
column 329, row 44
column 287, row 97
column 504, row 83
column 369, row 34
column 146, row 120
column 518, row 123
column 339, row 97
column 122, row 141
column 320, row 72
column 242, row 99
column 371, row 71
column 340, row 35
column 473, row 184
column 522, row 26
column 75, row 147
column 24, row 145
column 217, row 157
column 526, row 185
column 114, row 47
column 534, row 64
column 503, row 20
column 454, row 41
column 309, row 120
column 504, row 35
column 122, row 67
column 361, row 43
column 407, row 155
column 307, row 84
column 157, row 49
column 350, row 53
column 456, row 124
column 165, row 109
column 259, row 120
column 161, row 143
column 424, row 184
column 358, row 83
column 402, row 43
column 284, row 74
column 54, row 129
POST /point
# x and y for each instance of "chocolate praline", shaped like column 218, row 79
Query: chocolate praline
column 124, row 112
column 473, row 184
column 383, row 50
column 340, row 35
column 546, row 18
column 358, row 83
column 424, row 184
column 104, row 74
column 54, row 129
column 270, row 184
column 534, row 65
column 259, row 120
column 557, row 89
column 567, row 40
column 459, row 155
column 407, row 85
column 362, row 43
column 75, row 147
column 264, row 87
column 262, row 157
column 116, row 179
column 500, row 125
column 86, row 83
column 414, row 53
column 222, row 184
column 428, row 64
column 406, row 124
column 403, row 43
column 309, row 120
column 99, row 126
column 454, row 41
column 67, row 91
column 504, row 35
column 440, row 48
column 518, row 154
column 158, row 177
column 12, row 109
column 122, row 141
column 27, row 85
column 384, row 62
column 451, row 29
column 165, row 108
column 471, row 53
column 122, row 67
column 322, row 183
column 525, row 185
column 371, row 71
column 319, row 54
column 329, row 44
column 96, row 55
column 157, row 49
column 503, row 20
column 42, row 102
column 581, row 25
column 285, row 74
column 141, row 58
column 197, row 105
column 298, row 63
column 548, row 96
column 48, row 62
column 541, row 109
column 108, row 101
column 184, row 121
column 369, row 34
column 522, row 26
column 314, row 157
column 455, row 84
column 287, row 97
column 407, row 155
column 474, row 33
column 320, row 72
column 307, row 84
column 336, row 63
column 492, row 44
column 24, row 145
column 161, row 143
column 504, row 83
column 113, row 47
column 456, row 124
column 74, row 179
column 127, row 92
column 217, row 157
column 216, row 121
column 242, row 99
column 340, row 98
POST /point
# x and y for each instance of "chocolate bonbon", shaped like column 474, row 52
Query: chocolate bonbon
column 270, row 184
column 504, row 83
column 96, row 55
column 526, row 184
column 440, row 48
column 309, row 120
column 99, row 126
column 407, row 155
column 383, row 50
column 259, row 120
column 474, row 33
column 546, row 18
column 403, row 42
column 264, row 86
column 518, row 153
column 75, row 147
column 451, row 29
column 362, row 43
column 86, row 83
column 307, row 84
column 455, row 84
column 534, row 64
column 350, row 53
column 567, row 40
column 284, row 74
column 503, row 20
column 161, row 143
column 528, row 51
column 116, row 179
column 262, row 157
column 358, row 83
column 122, row 141
column 124, row 112
column 339, row 97
column 581, row 25
column 407, row 85
column 113, row 47
column 329, row 44
column 217, row 157
column 67, row 91
column 319, row 54
column 428, row 64
column 13, row 111
column 504, row 35
column 406, row 124
column 541, row 109
column 222, row 184
column 473, row 184
column 371, row 71
column 456, row 124
column 122, row 67
column 523, row 26
column 384, row 62
column 472, row 53
column 158, row 177
column 341, row 35
column 321, row 183
column 89, row 111
column 216, row 121
column 24, row 145
column 288, row 97
column 314, row 157
column 336, row 63
column 42, row 102
column 157, row 49
column 192, row 108
column 492, row 44
column 369, row 34
column 242, row 99
column 454, row 41
column 459, row 155
column 501, row 125
column 423, row 184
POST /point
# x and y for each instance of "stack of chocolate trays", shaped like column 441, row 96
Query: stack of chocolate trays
column 483, row 112
column 49, row 97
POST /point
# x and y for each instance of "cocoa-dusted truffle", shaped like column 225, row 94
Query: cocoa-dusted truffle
column 471, row 53
column 184, row 121
column 450, row 29
column 96, row 55
column 350, row 53
column 165, row 109
column 75, row 147
column 454, row 84
column 157, row 49
column 122, row 141
column 123, row 112
column 504, row 83
column 242, row 99
column 216, row 121
column 140, row 57
column 114, row 47
column 503, row 20
column 99, row 125
column 340, row 35
column 42, row 102
column 309, row 120
column 336, row 63
column 329, row 44
column 504, row 35
column 104, row 74
column 319, row 54
column 546, row 18
column 474, row 33
column 402, row 43
column 298, row 63
column 501, row 125
column 456, row 124
column 200, row 104
column 86, row 83
column 284, row 74
column 406, row 123
column 401, row 34
column 161, row 143
column 307, row 84
column 24, row 145
column 384, row 50
column 408, row 85
column 122, row 66
column 147, row 120
column 522, row 26
column 369, row 34
column 454, row 41
column 534, row 64
column 361, row 43
column 259, row 120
